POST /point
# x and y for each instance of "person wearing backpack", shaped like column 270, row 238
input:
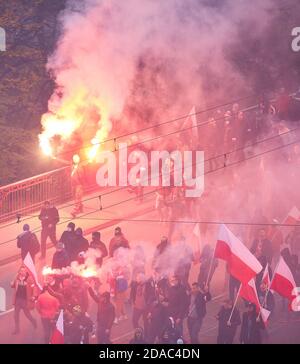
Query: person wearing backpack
column 120, row 293
column 28, row 243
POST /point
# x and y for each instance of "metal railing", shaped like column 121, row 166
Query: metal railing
column 27, row 196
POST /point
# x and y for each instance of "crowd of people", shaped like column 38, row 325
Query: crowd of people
column 164, row 303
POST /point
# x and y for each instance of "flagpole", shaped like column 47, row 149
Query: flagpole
column 210, row 266
column 235, row 302
column 269, row 288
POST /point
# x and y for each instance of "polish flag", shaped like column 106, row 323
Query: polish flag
column 266, row 277
column 293, row 216
column 58, row 333
column 283, row 281
column 241, row 262
column 28, row 262
column 249, row 293
column 196, row 242
column 264, row 314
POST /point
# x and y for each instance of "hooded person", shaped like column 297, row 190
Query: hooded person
column 138, row 337
column 68, row 237
column 105, row 315
column 251, row 326
column 80, row 244
column 60, row 257
column 99, row 246
column 170, row 334
column 118, row 241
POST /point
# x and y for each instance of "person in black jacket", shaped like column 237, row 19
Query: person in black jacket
column 80, row 245
column 227, row 325
column 251, row 326
column 60, row 257
column 197, row 310
column 79, row 327
column 27, row 242
column 178, row 301
column 68, row 237
column 99, row 246
column 142, row 295
column 105, row 315
column 49, row 217
column 157, row 318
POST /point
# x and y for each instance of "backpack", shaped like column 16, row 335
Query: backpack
column 121, row 284
column 34, row 244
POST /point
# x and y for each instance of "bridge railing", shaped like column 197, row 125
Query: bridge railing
column 27, row 196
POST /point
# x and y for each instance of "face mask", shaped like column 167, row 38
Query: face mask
column 69, row 229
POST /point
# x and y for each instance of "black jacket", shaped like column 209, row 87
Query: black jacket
column 67, row 238
column 24, row 242
column 80, row 244
column 49, row 216
column 200, row 303
column 251, row 329
column 149, row 291
column 79, row 329
column 106, row 311
column 178, row 301
column 60, row 260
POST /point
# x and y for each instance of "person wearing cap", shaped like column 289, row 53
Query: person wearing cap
column 60, row 257
column 49, row 218
column 80, row 327
column 28, row 243
column 118, row 241
column 68, row 237
column 252, row 325
column 99, row 246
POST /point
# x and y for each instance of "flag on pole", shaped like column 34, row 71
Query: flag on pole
column 249, row 293
column 283, row 281
column 293, row 216
column 28, row 262
column 266, row 277
column 242, row 264
column 264, row 314
column 58, row 333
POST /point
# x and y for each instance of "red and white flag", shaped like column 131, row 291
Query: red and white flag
column 242, row 264
column 264, row 314
column 58, row 333
column 28, row 262
column 266, row 277
column 293, row 216
column 249, row 293
column 283, row 281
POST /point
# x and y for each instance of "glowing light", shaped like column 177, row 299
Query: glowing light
column 47, row 271
column 88, row 273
